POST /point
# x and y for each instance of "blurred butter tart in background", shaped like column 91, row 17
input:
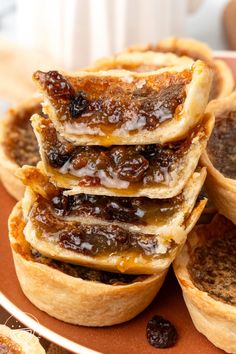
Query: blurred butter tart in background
column 18, row 145
column 206, row 272
column 220, row 157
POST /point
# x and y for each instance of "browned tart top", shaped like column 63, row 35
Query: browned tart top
column 212, row 266
column 221, row 146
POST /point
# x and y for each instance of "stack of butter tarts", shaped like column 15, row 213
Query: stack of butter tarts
column 115, row 194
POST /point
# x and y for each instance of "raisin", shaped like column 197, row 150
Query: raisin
column 89, row 181
column 56, row 159
column 161, row 333
column 56, row 85
column 78, row 104
column 119, row 211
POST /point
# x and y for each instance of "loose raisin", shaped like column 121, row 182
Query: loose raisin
column 161, row 333
column 56, row 159
column 78, row 104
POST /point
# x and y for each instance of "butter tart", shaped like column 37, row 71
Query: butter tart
column 18, row 144
column 132, row 235
column 206, row 271
column 223, row 80
column 153, row 170
column 83, row 296
column 18, row 341
column 220, row 158
column 123, row 107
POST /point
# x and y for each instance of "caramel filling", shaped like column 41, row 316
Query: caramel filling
column 212, row 266
column 90, row 239
column 221, row 146
column 25, row 250
column 103, row 105
column 116, row 167
column 20, row 142
column 8, row 346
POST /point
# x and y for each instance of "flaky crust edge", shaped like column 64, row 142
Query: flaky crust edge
column 79, row 301
column 8, row 167
column 215, row 319
column 222, row 190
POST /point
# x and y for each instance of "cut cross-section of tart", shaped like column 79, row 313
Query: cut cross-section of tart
column 220, row 156
column 155, row 171
column 223, row 81
column 18, row 144
column 19, row 341
column 140, row 61
column 132, row 235
column 123, row 107
column 206, row 271
column 83, row 296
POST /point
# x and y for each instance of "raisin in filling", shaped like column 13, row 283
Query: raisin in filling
column 110, row 103
column 221, row 146
column 89, row 239
column 20, row 143
column 213, row 266
column 85, row 273
column 140, row 210
column 114, row 167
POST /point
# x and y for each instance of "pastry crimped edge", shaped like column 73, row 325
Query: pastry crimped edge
column 139, row 58
column 79, row 301
column 177, row 128
column 213, row 318
column 132, row 264
column 22, row 340
column 198, row 47
column 8, row 167
column 221, row 190
column 160, row 191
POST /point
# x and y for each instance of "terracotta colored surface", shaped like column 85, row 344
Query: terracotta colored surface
column 127, row 338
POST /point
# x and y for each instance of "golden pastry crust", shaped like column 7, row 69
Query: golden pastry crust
column 19, row 341
column 193, row 107
column 139, row 61
column 8, row 164
column 128, row 261
column 196, row 50
column 175, row 181
column 214, row 318
column 78, row 301
column 221, row 190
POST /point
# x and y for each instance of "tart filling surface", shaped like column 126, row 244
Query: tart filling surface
column 121, row 170
column 221, row 147
column 20, row 143
column 212, row 266
column 8, row 346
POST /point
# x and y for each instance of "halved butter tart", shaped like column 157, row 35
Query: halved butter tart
column 125, row 107
column 152, row 170
column 130, row 235
column 206, row 271
column 74, row 293
column 220, row 157
column 18, row 144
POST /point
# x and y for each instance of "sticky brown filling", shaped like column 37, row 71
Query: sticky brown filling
column 114, row 167
column 25, row 250
column 20, row 142
column 7, row 346
column 105, row 104
column 221, row 146
column 89, row 239
column 213, row 264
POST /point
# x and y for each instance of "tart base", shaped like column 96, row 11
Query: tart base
column 78, row 301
